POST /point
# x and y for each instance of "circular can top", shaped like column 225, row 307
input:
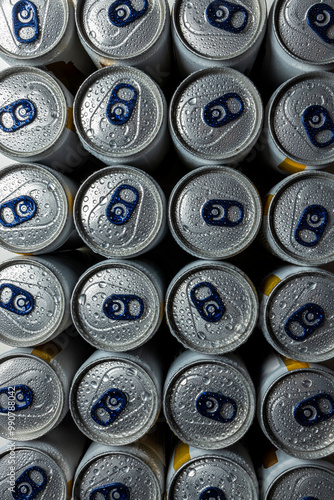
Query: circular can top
column 117, row 306
column 31, row 390
column 120, row 212
column 33, row 208
column 130, row 476
column 33, row 112
column 120, row 29
column 214, row 212
column 300, row 219
column 118, row 112
column 211, row 307
column 305, row 481
column 32, row 302
column 305, row 29
column 35, row 471
column 216, row 114
column 298, row 316
column 301, row 119
column 219, row 30
column 209, row 404
column 298, row 411
column 114, row 400
column 32, row 29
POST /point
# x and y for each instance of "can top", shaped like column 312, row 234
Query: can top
column 33, row 208
column 31, row 302
column 114, row 400
column 34, row 471
column 30, row 30
column 219, row 30
column 116, row 473
column 299, row 218
column 301, row 119
column 298, row 411
column 118, row 111
column 216, row 114
column 120, row 30
column 209, row 404
column 30, row 389
column 33, row 112
column 298, row 316
column 214, row 212
column 305, row 29
column 211, row 307
column 119, row 212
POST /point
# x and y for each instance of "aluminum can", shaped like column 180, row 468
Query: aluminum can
column 127, row 32
column 211, row 307
column 120, row 212
column 215, row 117
column 299, row 124
column 121, row 117
column 289, row 477
column 35, row 209
column 115, row 398
column 195, row 473
column 117, row 305
column 299, row 39
column 34, row 386
column 217, row 33
column 134, row 471
column 208, row 401
column 36, row 120
column 297, row 226
column 214, row 212
column 35, row 297
column 296, row 406
column 42, row 469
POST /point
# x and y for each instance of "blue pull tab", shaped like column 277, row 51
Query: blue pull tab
column 20, row 301
column 211, row 308
column 25, row 18
column 310, row 317
column 216, row 213
column 119, row 110
column 120, row 209
column 313, row 219
column 121, row 13
column 314, row 410
column 22, row 112
column 23, row 397
column 227, row 15
column 111, row 492
column 26, row 488
column 316, row 119
column 23, row 209
column 217, row 113
column 211, row 404
column 309, row 498
column 117, row 307
column 212, row 493
column 110, row 405
column 320, row 18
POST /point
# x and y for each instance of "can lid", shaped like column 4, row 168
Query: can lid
column 33, row 112
column 305, row 29
column 120, row 212
column 219, row 30
column 118, row 112
column 214, row 212
column 209, row 404
column 211, row 307
column 298, row 413
column 31, row 390
column 120, row 30
column 32, row 302
column 114, row 400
